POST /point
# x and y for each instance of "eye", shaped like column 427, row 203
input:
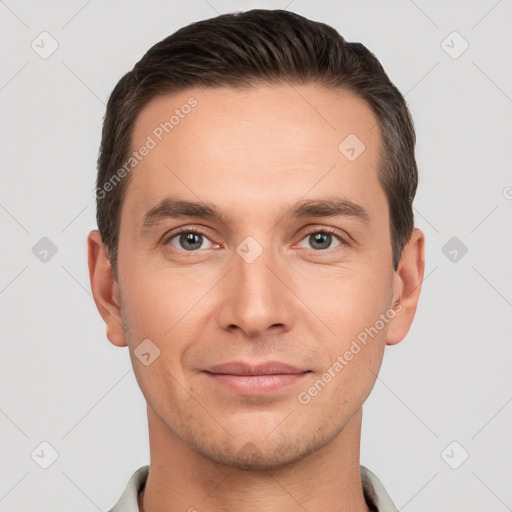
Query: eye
column 322, row 239
column 189, row 240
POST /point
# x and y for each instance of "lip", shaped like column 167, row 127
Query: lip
column 251, row 380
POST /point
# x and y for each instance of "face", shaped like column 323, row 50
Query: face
column 255, row 255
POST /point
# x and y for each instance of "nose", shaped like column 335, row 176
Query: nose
column 255, row 298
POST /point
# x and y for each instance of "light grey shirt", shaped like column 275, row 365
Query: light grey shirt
column 376, row 496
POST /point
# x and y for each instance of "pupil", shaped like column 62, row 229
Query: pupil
column 322, row 240
column 191, row 240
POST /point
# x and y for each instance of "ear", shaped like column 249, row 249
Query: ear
column 105, row 289
column 407, row 287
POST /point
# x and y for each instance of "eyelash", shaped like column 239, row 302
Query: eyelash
column 326, row 230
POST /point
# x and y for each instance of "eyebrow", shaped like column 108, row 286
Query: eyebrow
column 333, row 206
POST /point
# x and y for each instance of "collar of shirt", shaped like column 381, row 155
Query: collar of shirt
column 374, row 492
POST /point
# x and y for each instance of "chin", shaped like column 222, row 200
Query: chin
column 263, row 454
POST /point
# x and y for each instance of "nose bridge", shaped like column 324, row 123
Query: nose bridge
column 255, row 299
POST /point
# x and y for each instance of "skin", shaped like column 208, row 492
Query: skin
column 253, row 153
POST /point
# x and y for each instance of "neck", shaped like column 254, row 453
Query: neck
column 181, row 479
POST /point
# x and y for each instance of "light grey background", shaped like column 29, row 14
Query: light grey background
column 61, row 380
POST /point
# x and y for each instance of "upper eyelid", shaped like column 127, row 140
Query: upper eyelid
column 171, row 233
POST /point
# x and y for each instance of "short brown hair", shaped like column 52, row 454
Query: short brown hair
column 243, row 49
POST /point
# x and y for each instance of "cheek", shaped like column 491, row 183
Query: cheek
column 350, row 299
column 353, row 304
column 344, row 386
column 157, row 335
column 351, row 359
column 166, row 310
column 152, row 300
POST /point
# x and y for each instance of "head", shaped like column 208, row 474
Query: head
column 286, row 157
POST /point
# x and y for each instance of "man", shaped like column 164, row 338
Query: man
column 256, row 253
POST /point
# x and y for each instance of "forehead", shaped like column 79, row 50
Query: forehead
column 268, row 143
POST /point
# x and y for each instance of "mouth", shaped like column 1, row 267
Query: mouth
column 252, row 380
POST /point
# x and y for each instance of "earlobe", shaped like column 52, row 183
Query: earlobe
column 407, row 287
column 105, row 289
